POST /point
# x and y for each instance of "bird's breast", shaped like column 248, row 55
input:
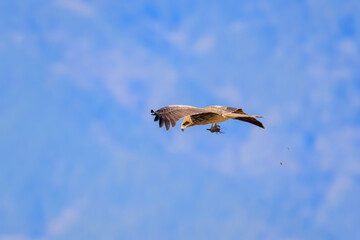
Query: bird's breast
column 209, row 119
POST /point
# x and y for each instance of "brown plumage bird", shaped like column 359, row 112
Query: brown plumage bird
column 199, row 116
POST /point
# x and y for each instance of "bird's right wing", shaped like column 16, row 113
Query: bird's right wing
column 245, row 117
column 251, row 119
column 173, row 113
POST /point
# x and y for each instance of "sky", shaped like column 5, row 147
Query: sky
column 82, row 158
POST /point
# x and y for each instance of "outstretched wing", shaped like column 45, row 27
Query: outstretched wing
column 237, row 113
column 225, row 109
column 172, row 114
column 252, row 120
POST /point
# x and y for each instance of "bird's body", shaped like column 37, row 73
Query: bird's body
column 200, row 116
column 207, row 119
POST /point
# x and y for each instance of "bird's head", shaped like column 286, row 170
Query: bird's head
column 186, row 123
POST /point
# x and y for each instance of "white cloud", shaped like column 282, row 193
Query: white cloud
column 333, row 197
column 178, row 38
column 56, row 226
column 77, row 6
column 66, row 219
column 204, row 44
column 105, row 140
column 185, row 40
column 347, row 47
column 337, row 150
column 179, row 143
column 15, row 237
column 120, row 72
column 228, row 93
column 237, row 26
column 63, row 222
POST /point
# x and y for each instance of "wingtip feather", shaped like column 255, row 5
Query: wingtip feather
column 167, row 125
column 161, row 123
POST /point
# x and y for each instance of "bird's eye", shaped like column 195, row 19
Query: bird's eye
column 186, row 123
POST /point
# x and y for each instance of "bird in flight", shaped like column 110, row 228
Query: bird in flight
column 200, row 116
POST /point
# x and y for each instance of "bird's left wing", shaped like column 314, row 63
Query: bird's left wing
column 172, row 114
column 226, row 109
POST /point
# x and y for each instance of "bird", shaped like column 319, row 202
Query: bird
column 200, row 116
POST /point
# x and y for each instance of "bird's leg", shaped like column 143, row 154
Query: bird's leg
column 211, row 129
column 215, row 128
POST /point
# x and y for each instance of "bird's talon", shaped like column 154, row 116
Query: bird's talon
column 215, row 129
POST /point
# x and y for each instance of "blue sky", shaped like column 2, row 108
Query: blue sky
column 81, row 157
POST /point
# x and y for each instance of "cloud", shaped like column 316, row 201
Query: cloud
column 334, row 196
column 66, row 219
column 130, row 74
column 77, row 6
column 348, row 48
column 204, row 44
column 228, row 93
column 237, row 26
column 14, row 237
column 63, row 222
column 105, row 140
column 185, row 39
column 178, row 38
